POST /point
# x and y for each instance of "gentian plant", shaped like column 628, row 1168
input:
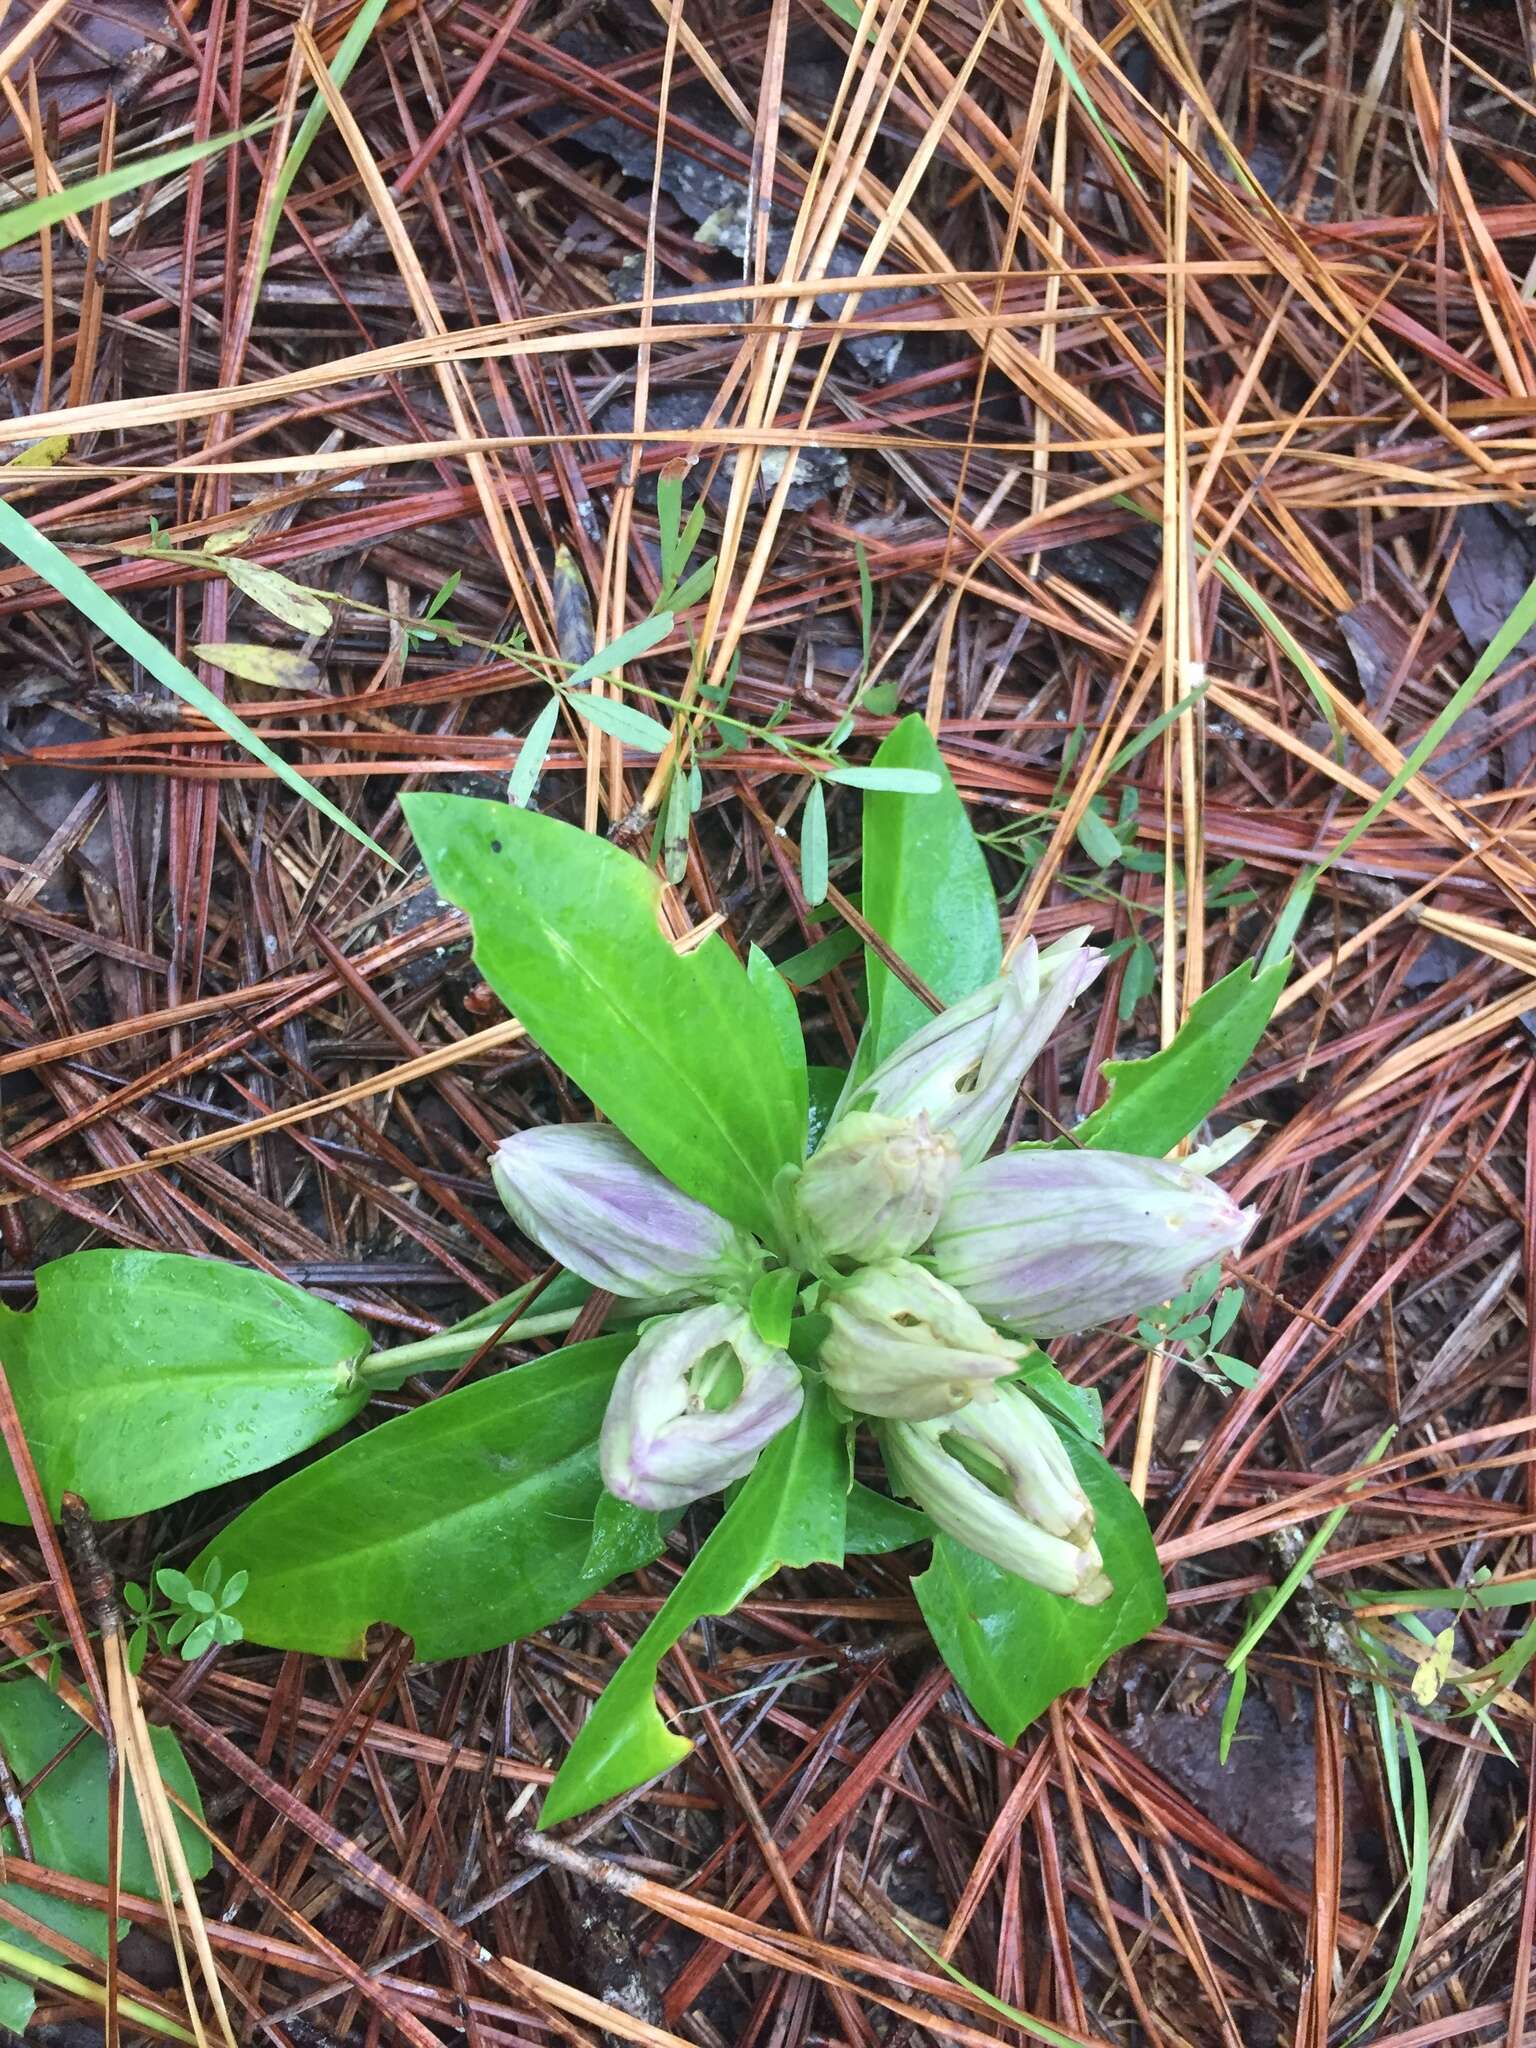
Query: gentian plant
column 796, row 1274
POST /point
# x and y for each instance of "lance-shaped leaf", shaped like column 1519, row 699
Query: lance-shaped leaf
column 681, row 1051
column 791, row 1510
column 466, row 1523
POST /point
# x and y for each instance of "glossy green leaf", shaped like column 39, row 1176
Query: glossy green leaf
column 67, row 1822
column 141, row 1377
column 772, row 1306
column 1082, row 1407
column 789, row 1511
column 778, row 1000
column 681, row 1051
column 1013, row 1647
column 926, row 892
column 466, row 1523
column 877, row 1524
column 1155, row 1102
column 826, row 1092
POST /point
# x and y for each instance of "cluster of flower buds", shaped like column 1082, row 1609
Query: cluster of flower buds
column 923, row 1247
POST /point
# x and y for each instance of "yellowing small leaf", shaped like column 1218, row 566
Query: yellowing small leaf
column 227, row 540
column 42, row 454
column 274, row 668
column 1435, row 1670
column 276, row 594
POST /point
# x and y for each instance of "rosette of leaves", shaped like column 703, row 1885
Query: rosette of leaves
column 481, row 1516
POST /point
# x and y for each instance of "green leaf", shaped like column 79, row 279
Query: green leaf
column 1014, row 1647
column 278, row 594
column 680, row 1051
column 141, row 1377
column 804, row 970
column 634, row 728
column 789, row 1511
column 926, row 892
column 465, row 1523
column 877, row 1524
column 629, row 646
column 67, row 1821
column 813, row 847
column 176, row 1586
column 1081, row 1407
column 1155, row 1102
column 777, row 999
column 353, row 43
column 622, row 1536
column 1098, row 840
column 532, row 755
column 698, row 585
column 39, row 554
column 888, row 780
column 772, row 1305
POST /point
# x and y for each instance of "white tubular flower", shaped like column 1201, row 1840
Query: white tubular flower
column 694, row 1403
column 995, row 1477
column 597, row 1205
column 904, row 1344
column 964, row 1069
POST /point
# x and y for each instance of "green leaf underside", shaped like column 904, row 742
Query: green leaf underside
column 926, row 892
column 67, row 1820
column 790, row 1511
column 682, row 1052
column 1155, row 1102
column 141, row 1377
column 466, row 1523
column 1014, row 1647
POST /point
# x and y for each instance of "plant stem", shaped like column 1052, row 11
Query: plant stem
column 459, row 1343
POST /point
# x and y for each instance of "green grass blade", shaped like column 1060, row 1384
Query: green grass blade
column 20, row 223
column 39, row 554
column 1494, row 655
column 1418, row 1878
column 353, row 44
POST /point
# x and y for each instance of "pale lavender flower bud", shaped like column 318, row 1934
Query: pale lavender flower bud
column 964, row 1069
column 694, row 1403
column 995, row 1477
column 875, row 1187
column 1052, row 1242
column 593, row 1202
column 904, row 1344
